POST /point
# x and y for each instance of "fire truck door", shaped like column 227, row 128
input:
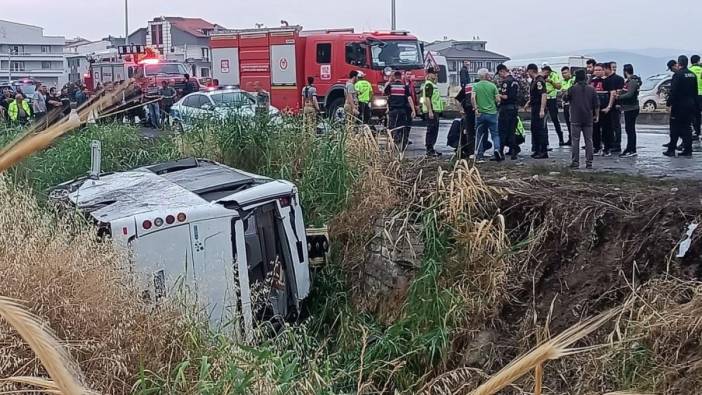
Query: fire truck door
column 225, row 66
column 284, row 92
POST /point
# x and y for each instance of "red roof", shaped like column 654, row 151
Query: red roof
column 194, row 26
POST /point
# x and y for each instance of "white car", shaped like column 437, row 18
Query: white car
column 216, row 104
column 654, row 92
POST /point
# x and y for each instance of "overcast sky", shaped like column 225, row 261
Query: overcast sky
column 522, row 27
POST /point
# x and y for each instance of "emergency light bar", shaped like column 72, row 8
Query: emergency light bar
column 131, row 49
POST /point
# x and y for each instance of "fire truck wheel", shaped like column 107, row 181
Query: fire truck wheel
column 336, row 110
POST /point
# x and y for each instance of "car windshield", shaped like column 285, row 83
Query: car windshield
column 651, row 82
column 396, row 54
column 165, row 68
column 233, row 99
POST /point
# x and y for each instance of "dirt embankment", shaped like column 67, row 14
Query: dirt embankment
column 576, row 246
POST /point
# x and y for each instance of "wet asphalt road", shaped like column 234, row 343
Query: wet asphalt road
column 650, row 161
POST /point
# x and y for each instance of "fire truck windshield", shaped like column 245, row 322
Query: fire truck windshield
column 165, row 68
column 397, row 54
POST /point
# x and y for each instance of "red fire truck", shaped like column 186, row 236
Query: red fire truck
column 144, row 64
column 281, row 59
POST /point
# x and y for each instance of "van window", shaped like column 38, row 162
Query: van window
column 442, row 76
column 267, row 257
column 324, row 53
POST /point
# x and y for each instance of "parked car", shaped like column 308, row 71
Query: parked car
column 654, row 92
column 216, row 104
column 28, row 87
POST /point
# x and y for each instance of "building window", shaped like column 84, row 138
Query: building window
column 204, row 72
column 17, row 66
column 206, row 54
column 46, row 65
column 488, row 65
column 452, row 66
column 45, row 49
column 16, row 49
column 324, row 53
column 156, row 34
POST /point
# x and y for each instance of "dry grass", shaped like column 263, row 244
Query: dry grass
column 54, row 358
column 82, row 288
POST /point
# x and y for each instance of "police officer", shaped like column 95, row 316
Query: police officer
column 682, row 101
column 553, row 86
column 399, row 100
column 696, row 69
column 468, row 137
column 507, row 118
column 364, row 90
column 568, row 82
column 537, row 102
column 433, row 106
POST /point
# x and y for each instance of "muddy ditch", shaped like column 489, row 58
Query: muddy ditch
column 576, row 247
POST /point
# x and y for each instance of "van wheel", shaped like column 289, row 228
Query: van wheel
column 336, row 110
column 649, row 106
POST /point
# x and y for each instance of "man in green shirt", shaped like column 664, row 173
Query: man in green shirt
column 485, row 99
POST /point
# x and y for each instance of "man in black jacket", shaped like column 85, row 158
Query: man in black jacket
column 682, row 101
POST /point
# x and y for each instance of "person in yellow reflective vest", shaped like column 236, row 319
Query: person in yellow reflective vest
column 432, row 106
column 553, row 86
column 364, row 90
column 696, row 69
column 19, row 111
column 568, row 82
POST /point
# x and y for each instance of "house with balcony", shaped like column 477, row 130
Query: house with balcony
column 25, row 52
column 186, row 40
column 457, row 53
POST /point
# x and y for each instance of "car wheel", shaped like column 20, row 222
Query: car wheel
column 336, row 110
column 178, row 126
column 649, row 106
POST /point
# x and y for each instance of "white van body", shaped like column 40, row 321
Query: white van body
column 207, row 229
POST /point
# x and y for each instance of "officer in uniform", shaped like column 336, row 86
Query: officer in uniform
column 553, row 86
column 399, row 99
column 507, row 118
column 468, row 136
column 696, row 69
column 433, row 106
column 682, row 101
column 537, row 102
column 364, row 90
column 568, row 82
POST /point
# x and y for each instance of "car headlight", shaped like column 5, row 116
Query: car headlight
column 380, row 102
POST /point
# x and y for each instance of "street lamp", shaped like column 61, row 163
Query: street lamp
column 126, row 22
column 393, row 15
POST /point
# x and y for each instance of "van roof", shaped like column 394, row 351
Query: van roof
column 177, row 184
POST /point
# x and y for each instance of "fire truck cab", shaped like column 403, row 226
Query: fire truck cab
column 281, row 59
column 234, row 241
column 148, row 68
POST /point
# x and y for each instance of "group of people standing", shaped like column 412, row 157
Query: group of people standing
column 594, row 100
column 16, row 109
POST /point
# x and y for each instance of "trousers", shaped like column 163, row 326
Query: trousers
column 576, row 130
column 397, row 123
column 539, row 139
column 552, row 110
column 432, row 132
column 507, row 124
column 630, row 126
column 483, row 124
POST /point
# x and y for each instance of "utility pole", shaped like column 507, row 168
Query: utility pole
column 126, row 22
column 394, row 15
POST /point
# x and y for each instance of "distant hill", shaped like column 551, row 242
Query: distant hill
column 647, row 62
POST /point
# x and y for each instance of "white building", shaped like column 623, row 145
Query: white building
column 185, row 40
column 79, row 51
column 25, row 52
